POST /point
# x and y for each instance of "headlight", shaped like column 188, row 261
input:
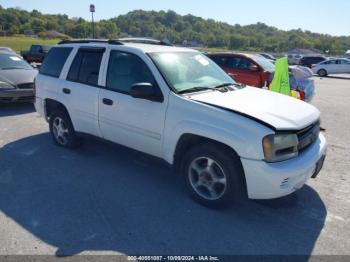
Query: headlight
column 280, row 147
column 4, row 85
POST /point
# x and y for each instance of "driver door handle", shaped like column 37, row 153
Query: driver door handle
column 66, row 91
column 107, row 101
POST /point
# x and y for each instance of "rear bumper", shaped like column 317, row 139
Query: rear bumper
column 13, row 95
column 39, row 106
column 274, row 180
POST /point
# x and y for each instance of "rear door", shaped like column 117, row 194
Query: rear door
column 81, row 89
column 133, row 122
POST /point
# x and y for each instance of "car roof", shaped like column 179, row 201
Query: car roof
column 332, row 59
column 313, row 56
column 232, row 53
column 8, row 52
column 145, row 48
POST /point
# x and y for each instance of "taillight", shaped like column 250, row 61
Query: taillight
column 302, row 95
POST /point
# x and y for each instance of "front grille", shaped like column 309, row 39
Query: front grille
column 26, row 86
column 308, row 136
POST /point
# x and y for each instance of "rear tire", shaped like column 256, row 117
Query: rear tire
column 322, row 73
column 62, row 130
column 214, row 175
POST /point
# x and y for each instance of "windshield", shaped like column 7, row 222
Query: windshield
column 187, row 70
column 264, row 63
column 11, row 61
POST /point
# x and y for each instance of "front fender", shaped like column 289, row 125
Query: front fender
column 247, row 144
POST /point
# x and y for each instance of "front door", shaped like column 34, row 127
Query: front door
column 344, row 66
column 133, row 122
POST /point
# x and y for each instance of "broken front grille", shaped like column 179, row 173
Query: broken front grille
column 308, row 136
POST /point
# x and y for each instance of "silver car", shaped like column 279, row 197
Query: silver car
column 16, row 78
column 332, row 66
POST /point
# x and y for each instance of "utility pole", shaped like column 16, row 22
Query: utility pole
column 92, row 10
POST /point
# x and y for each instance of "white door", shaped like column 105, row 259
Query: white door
column 81, row 90
column 133, row 122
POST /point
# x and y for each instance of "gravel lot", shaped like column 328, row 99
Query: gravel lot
column 106, row 199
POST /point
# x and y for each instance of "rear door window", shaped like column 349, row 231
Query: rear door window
column 86, row 66
column 54, row 61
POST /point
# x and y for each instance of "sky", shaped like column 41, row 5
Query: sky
column 320, row 16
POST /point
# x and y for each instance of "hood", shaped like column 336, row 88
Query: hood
column 277, row 111
column 18, row 76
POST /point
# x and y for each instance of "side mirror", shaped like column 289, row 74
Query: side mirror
column 254, row 68
column 145, row 91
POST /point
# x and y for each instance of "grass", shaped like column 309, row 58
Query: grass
column 23, row 43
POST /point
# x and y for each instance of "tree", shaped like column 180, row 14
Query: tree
column 176, row 28
column 107, row 29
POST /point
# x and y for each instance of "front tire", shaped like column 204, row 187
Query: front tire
column 322, row 73
column 213, row 175
column 62, row 130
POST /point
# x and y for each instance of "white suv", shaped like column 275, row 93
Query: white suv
column 225, row 139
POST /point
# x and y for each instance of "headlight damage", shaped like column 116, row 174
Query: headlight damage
column 284, row 146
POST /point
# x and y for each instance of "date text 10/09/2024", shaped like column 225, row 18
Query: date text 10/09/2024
column 173, row 258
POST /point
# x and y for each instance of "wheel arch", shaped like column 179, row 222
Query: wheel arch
column 322, row 69
column 52, row 105
column 189, row 140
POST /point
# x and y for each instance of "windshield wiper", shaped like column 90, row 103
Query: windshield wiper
column 223, row 85
column 196, row 88
column 215, row 88
column 230, row 84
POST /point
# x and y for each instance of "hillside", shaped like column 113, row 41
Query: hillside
column 176, row 28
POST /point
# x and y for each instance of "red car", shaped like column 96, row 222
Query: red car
column 249, row 69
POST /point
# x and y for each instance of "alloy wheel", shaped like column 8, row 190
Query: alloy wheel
column 207, row 178
column 60, row 131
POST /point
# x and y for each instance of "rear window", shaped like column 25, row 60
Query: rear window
column 54, row 61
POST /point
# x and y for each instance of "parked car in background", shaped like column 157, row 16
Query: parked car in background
column 249, row 69
column 309, row 61
column 227, row 141
column 16, row 78
column 36, row 53
column 7, row 49
column 332, row 66
column 294, row 59
column 268, row 56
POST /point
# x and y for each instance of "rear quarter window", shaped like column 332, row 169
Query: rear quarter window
column 54, row 61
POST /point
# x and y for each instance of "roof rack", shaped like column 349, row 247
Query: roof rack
column 143, row 40
column 87, row 41
column 120, row 41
